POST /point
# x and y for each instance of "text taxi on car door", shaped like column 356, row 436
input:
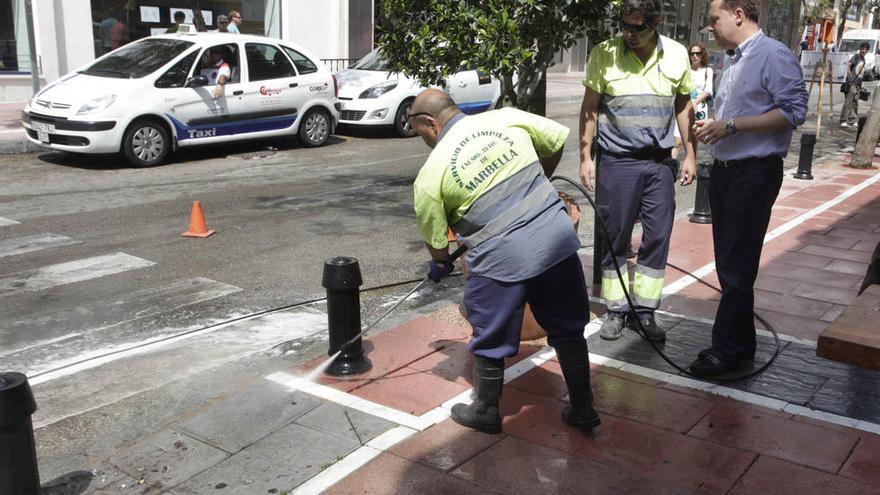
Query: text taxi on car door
column 156, row 94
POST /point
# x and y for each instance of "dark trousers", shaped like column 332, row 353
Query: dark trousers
column 741, row 199
column 558, row 298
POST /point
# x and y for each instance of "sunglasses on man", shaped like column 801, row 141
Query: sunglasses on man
column 634, row 28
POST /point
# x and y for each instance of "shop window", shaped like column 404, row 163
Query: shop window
column 302, row 63
column 117, row 22
column 266, row 62
column 14, row 51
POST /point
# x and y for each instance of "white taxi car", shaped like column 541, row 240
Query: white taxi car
column 151, row 96
column 370, row 95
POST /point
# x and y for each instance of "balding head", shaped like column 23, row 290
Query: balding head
column 430, row 111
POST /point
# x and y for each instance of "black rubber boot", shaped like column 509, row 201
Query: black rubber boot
column 483, row 414
column 574, row 361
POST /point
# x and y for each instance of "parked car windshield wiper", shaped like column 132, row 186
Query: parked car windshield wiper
column 108, row 72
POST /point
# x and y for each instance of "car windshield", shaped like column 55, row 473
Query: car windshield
column 138, row 59
column 853, row 45
column 372, row 61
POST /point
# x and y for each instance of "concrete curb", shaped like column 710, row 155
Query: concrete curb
column 16, row 146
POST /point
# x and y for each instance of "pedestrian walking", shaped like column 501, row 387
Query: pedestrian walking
column 761, row 99
column 636, row 87
column 853, row 85
column 235, row 21
column 486, row 178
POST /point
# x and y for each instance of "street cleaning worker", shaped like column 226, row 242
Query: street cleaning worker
column 486, row 178
column 637, row 85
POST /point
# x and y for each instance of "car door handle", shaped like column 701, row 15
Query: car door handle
column 462, row 84
column 293, row 85
column 238, row 93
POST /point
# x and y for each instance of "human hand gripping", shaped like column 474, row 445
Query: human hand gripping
column 710, row 131
column 588, row 173
column 688, row 170
column 438, row 270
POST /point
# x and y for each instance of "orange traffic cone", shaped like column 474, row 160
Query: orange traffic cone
column 197, row 226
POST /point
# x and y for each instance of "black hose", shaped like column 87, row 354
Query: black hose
column 641, row 330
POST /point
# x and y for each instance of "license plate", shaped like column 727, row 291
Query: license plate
column 43, row 127
column 43, row 136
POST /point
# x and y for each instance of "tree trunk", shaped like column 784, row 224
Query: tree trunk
column 508, row 92
column 863, row 155
column 537, row 103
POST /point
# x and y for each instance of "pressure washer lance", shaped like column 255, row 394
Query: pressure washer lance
column 641, row 329
column 323, row 366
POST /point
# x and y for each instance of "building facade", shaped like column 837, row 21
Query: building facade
column 71, row 33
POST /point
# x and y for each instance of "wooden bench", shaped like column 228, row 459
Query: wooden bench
column 854, row 337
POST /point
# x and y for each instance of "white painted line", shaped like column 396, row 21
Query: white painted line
column 391, row 438
column 39, row 343
column 687, row 279
column 348, row 400
column 27, row 244
column 7, row 221
column 337, row 471
column 71, row 272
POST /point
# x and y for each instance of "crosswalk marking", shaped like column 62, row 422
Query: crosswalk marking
column 20, row 245
column 70, row 272
column 7, row 221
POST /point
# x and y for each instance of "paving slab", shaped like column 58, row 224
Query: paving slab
column 747, row 429
column 391, row 475
column 769, row 475
column 445, row 446
column 167, row 458
column 517, row 466
column 345, row 423
column 247, row 417
column 279, row 462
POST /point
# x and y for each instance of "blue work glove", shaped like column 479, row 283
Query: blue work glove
column 438, row 270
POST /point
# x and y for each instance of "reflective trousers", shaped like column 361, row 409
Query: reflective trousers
column 628, row 188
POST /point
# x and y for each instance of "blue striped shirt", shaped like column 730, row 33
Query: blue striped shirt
column 763, row 75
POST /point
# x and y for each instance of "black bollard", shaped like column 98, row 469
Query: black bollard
column 805, row 161
column 18, row 454
column 342, row 277
column 702, row 211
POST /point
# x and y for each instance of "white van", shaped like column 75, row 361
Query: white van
column 852, row 39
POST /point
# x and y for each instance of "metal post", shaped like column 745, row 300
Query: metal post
column 32, row 46
column 342, row 277
column 18, row 454
column 702, row 211
column 805, row 161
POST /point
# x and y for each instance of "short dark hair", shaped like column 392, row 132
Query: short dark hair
column 749, row 7
column 865, row 44
column 650, row 10
column 179, row 15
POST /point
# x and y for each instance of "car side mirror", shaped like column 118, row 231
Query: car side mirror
column 197, row 81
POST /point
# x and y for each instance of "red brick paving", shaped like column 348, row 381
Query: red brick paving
column 769, row 475
column 802, row 443
column 655, row 437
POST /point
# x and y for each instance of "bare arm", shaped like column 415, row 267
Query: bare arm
column 587, row 128
column 684, row 115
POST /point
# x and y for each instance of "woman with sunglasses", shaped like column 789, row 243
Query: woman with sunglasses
column 701, row 75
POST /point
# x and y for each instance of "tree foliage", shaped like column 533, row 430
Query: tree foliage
column 430, row 39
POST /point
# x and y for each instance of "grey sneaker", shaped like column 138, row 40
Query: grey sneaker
column 612, row 327
column 652, row 331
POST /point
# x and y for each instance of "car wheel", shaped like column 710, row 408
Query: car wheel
column 314, row 128
column 146, row 143
column 401, row 123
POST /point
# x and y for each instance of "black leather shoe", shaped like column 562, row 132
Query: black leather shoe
column 708, row 365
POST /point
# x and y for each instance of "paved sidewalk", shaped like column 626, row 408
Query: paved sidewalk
column 804, row 426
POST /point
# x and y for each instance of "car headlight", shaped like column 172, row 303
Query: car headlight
column 96, row 104
column 378, row 90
